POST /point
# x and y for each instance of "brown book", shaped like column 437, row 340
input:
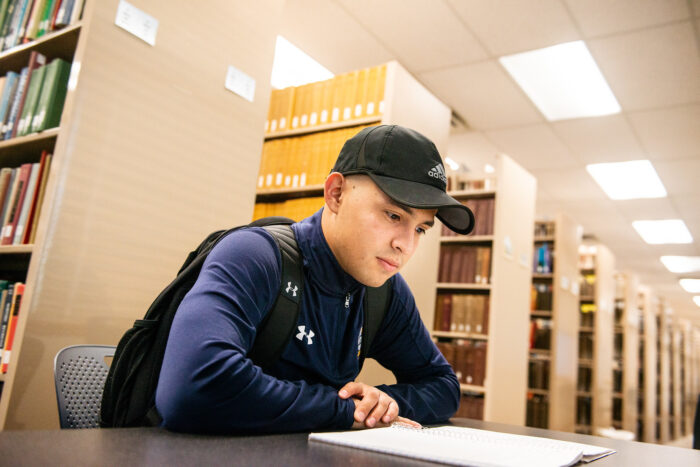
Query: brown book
column 444, row 267
column 462, row 355
column 478, row 264
column 490, row 204
column 439, row 308
column 316, row 103
column 338, row 97
column 448, row 351
column 446, row 312
column 468, row 265
column 326, row 101
column 350, row 95
column 12, row 215
column 381, row 85
column 361, row 93
column 479, row 372
column 458, row 313
column 477, row 314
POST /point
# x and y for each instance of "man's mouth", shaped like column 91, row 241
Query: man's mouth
column 388, row 264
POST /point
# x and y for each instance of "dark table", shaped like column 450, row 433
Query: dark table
column 155, row 446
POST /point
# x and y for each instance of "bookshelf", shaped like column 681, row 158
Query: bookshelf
column 689, row 397
column 398, row 99
column 595, row 372
column 152, row 154
column 554, row 324
column 483, row 289
column 626, row 352
column 676, row 383
column 648, row 336
column 664, row 368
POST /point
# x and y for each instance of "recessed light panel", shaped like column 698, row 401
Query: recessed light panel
column 293, row 67
column 681, row 264
column 627, row 180
column 690, row 285
column 563, row 81
column 696, row 299
column 663, row 231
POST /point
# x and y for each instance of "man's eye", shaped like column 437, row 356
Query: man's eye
column 420, row 230
column 392, row 216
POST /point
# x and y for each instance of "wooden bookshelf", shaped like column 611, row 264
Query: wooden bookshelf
column 152, row 154
column 594, row 410
column 664, row 369
column 558, row 280
column 506, row 289
column 646, row 428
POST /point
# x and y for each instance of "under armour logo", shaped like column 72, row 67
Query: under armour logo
column 302, row 333
column 292, row 289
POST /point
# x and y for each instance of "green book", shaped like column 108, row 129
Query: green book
column 53, row 94
column 4, row 4
column 45, row 18
column 30, row 103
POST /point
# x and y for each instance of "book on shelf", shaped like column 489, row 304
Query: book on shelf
column 8, row 93
column 296, row 209
column 467, row 358
column 23, row 21
column 537, row 411
column 36, row 61
column 343, row 98
column 543, row 259
column 464, row 264
column 36, row 80
column 12, row 114
column 541, row 297
column 6, row 182
column 6, row 291
column 465, row 446
column 538, row 374
column 540, row 334
column 52, row 97
column 471, row 406
column 15, row 306
column 32, row 220
column 15, row 204
column 467, row 313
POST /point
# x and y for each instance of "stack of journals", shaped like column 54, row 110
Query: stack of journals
column 471, row 406
column 541, row 297
column 462, row 313
column 465, row 264
column 350, row 96
column 32, row 100
column 295, row 209
column 10, row 300
column 21, row 194
column 23, row 21
column 537, row 410
column 301, row 161
column 467, row 358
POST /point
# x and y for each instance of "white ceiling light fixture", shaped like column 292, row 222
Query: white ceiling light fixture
column 293, row 67
column 690, row 285
column 681, row 264
column 663, row 231
column 489, row 169
column 451, row 163
column 563, row 81
column 627, row 180
column 696, row 299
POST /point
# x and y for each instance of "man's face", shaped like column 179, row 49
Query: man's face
column 375, row 236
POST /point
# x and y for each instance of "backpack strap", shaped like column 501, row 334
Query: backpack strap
column 279, row 324
column 376, row 304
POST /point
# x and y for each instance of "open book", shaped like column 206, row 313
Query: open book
column 466, row 446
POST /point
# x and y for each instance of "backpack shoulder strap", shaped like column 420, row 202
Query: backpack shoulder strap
column 278, row 326
column 376, row 304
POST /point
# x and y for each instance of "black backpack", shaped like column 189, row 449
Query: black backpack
column 129, row 393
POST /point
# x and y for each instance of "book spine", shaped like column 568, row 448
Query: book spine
column 14, row 110
column 8, row 229
column 6, row 309
column 16, row 304
column 26, row 204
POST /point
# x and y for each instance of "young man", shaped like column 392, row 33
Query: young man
column 382, row 195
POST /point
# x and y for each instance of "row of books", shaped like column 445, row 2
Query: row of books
column 23, row 21
column 617, row 380
column 10, row 301
column 462, row 313
column 585, row 379
column 540, row 334
column 537, row 414
column 585, row 345
column 465, row 264
column 587, row 314
column 541, row 297
column 295, row 209
column 583, row 410
column 300, row 161
column 618, row 343
column 483, row 209
column 538, row 374
column 471, row 406
column 543, row 259
column 467, row 358
column 32, row 100
column 544, row 229
column 21, row 195
column 617, row 409
column 350, row 96
column 587, row 285
column 458, row 182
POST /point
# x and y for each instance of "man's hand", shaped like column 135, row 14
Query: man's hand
column 373, row 408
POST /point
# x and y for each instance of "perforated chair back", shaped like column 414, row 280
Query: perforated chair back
column 79, row 373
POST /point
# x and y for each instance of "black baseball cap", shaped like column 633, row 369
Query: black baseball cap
column 408, row 168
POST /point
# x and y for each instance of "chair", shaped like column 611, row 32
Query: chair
column 79, row 374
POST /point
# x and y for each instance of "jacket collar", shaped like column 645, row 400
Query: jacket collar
column 319, row 261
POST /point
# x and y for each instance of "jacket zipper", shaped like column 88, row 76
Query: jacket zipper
column 347, row 300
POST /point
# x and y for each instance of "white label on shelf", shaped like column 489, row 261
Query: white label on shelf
column 302, row 179
column 574, row 288
column 335, row 115
column 564, row 282
column 287, row 180
column 273, row 127
column 370, row 108
column 304, row 120
column 137, row 22
column 240, row 83
column 295, row 121
column 313, row 119
column 324, row 116
column 524, row 261
column 283, row 123
column 295, row 181
column 347, row 113
column 358, row 110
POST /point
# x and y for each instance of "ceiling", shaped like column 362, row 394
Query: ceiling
column 648, row 51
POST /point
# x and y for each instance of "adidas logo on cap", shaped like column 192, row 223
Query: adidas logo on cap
column 438, row 172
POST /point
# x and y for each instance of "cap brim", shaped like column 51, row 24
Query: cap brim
column 451, row 212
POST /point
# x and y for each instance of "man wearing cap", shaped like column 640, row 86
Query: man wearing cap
column 383, row 193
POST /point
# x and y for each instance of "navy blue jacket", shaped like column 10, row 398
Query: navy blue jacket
column 208, row 385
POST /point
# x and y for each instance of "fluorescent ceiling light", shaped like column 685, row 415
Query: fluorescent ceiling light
column 451, row 163
column 681, row 264
column 563, row 81
column 489, row 169
column 292, row 67
column 696, row 299
column 690, row 285
column 628, row 180
column 663, row 231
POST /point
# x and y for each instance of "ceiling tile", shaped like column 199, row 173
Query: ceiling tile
column 647, row 209
column 601, row 17
column 687, row 206
column 472, row 149
column 573, row 185
column 337, row 41
column 651, row 68
column 534, row 147
column 681, row 176
column 483, row 94
column 669, row 133
column 509, row 26
column 424, row 34
column 600, row 139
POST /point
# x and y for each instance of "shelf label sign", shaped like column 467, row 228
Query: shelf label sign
column 240, row 83
column 137, row 22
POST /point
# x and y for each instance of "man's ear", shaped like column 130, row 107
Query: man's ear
column 332, row 190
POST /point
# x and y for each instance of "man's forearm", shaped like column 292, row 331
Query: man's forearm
column 426, row 402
